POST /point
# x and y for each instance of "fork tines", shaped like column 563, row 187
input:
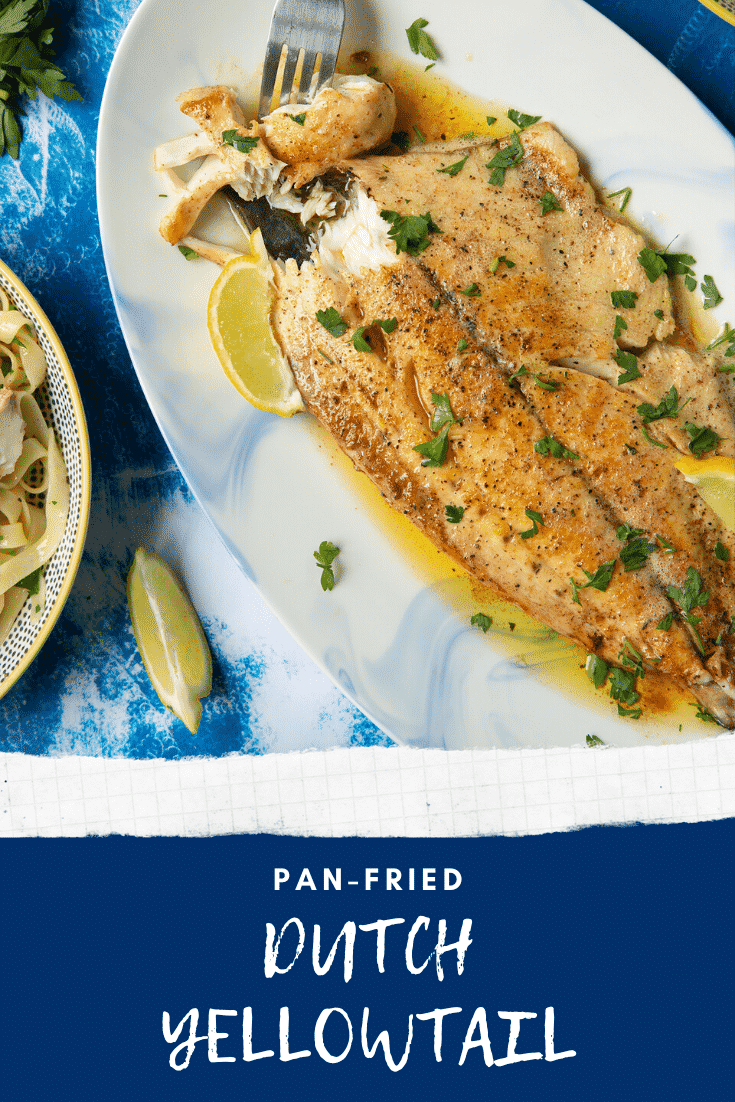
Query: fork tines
column 302, row 50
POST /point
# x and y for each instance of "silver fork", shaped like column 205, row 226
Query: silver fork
column 310, row 30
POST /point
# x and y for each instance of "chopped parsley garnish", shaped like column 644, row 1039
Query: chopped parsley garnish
column 703, row 714
column 325, row 556
column 624, row 300
column 420, row 42
column 547, row 445
column 410, row 232
column 549, row 202
column 462, row 344
column 442, row 419
column 453, row 170
column 435, row 450
column 300, row 119
column 324, row 356
column 32, row 582
column 635, row 553
column 626, row 193
column 332, row 322
column 472, row 291
column 421, row 137
column 667, row 548
column 241, row 144
column 667, row 407
column 435, row 303
column 599, row 580
column 712, row 296
column 495, row 264
column 721, row 552
column 454, row 513
column 631, row 449
column 622, row 687
column 535, row 519
column 188, row 253
column 620, row 326
column 490, row 119
column 702, row 439
column 665, row 622
column 651, row 440
column 360, row 343
column 632, row 659
column 726, row 337
column 401, row 139
column 593, row 740
column 521, row 120
column 658, row 314
column 625, row 532
column 442, row 414
column 597, row 671
column 629, row 365
column 657, row 261
column 467, row 136
column 690, row 597
column 503, row 159
column 545, row 384
column 480, row 620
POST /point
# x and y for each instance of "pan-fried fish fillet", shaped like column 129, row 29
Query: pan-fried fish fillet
column 378, row 405
column 554, row 304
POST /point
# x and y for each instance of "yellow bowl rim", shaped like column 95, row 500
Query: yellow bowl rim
column 24, row 294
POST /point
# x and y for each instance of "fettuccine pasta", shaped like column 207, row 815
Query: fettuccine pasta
column 34, row 488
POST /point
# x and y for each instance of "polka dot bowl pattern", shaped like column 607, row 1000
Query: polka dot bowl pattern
column 61, row 404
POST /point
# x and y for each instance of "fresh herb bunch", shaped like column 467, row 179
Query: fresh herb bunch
column 25, row 66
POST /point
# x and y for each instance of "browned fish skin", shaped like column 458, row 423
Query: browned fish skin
column 644, row 489
column 554, row 305
column 375, row 404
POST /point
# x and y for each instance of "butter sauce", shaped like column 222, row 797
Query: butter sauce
column 442, row 111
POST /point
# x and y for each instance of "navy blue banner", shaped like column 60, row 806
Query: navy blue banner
column 591, row 965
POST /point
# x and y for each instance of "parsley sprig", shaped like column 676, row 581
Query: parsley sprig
column 657, row 261
column 442, row 420
column 331, row 321
column 243, row 144
column 410, row 232
column 454, row 169
column 690, row 597
column 667, row 407
column 545, row 384
column 510, row 155
column 421, row 42
column 325, row 556
column 547, row 445
column 521, row 120
column 26, row 66
column 702, row 439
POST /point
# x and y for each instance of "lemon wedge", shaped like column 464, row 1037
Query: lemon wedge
column 715, row 479
column 170, row 638
column 238, row 318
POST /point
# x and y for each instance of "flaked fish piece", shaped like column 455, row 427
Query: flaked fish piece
column 378, row 405
column 640, row 485
column 252, row 174
column 354, row 114
column 554, row 302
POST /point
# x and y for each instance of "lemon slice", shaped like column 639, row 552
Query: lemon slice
column 715, row 479
column 238, row 317
column 170, row 638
